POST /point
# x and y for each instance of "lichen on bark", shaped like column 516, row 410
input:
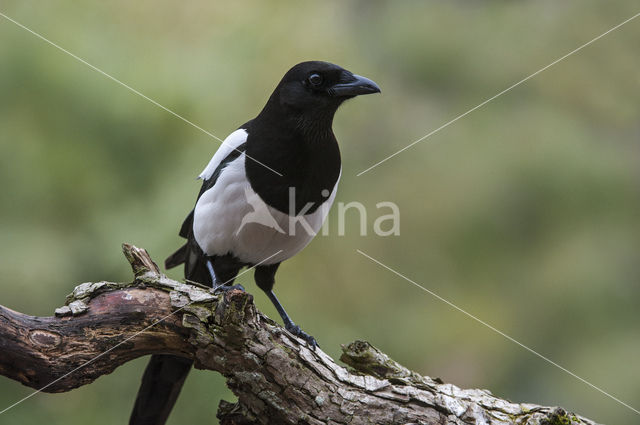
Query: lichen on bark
column 275, row 375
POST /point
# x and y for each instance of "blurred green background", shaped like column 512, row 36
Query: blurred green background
column 525, row 213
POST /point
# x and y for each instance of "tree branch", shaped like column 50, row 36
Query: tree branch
column 276, row 377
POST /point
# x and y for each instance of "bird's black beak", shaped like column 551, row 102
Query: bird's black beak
column 356, row 86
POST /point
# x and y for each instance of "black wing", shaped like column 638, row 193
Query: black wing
column 186, row 230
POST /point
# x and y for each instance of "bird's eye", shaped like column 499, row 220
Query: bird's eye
column 315, row 79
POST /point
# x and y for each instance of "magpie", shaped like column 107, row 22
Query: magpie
column 265, row 194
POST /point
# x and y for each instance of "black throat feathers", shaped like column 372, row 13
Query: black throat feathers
column 299, row 145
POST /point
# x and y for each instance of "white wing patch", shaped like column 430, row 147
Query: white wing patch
column 231, row 143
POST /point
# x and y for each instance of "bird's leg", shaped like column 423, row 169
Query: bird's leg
column 265, row 279
column 288, row 323
column 214, row 278
column 217, row 285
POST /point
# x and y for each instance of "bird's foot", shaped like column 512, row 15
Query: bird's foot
column 295, row 329
column 225, row 288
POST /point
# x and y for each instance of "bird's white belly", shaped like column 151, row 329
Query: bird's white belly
column 230, row 218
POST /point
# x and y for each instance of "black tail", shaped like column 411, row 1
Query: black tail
column 161, row 385
column 165, row 374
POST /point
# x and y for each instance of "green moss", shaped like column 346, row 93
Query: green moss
column 560, row 417
column 365, row 358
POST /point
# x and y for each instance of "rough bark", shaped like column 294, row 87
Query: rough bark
column 276, row 377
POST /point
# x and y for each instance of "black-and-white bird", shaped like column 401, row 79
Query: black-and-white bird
column 265, row 194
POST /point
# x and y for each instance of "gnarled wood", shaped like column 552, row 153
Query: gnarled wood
column 277, row 378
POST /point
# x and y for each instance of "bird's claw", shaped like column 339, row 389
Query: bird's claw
column 311, row 341
column 225, row 288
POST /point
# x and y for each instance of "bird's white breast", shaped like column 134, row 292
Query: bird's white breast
column 230, row 218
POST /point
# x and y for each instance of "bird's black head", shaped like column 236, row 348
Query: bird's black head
column 314, row 90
